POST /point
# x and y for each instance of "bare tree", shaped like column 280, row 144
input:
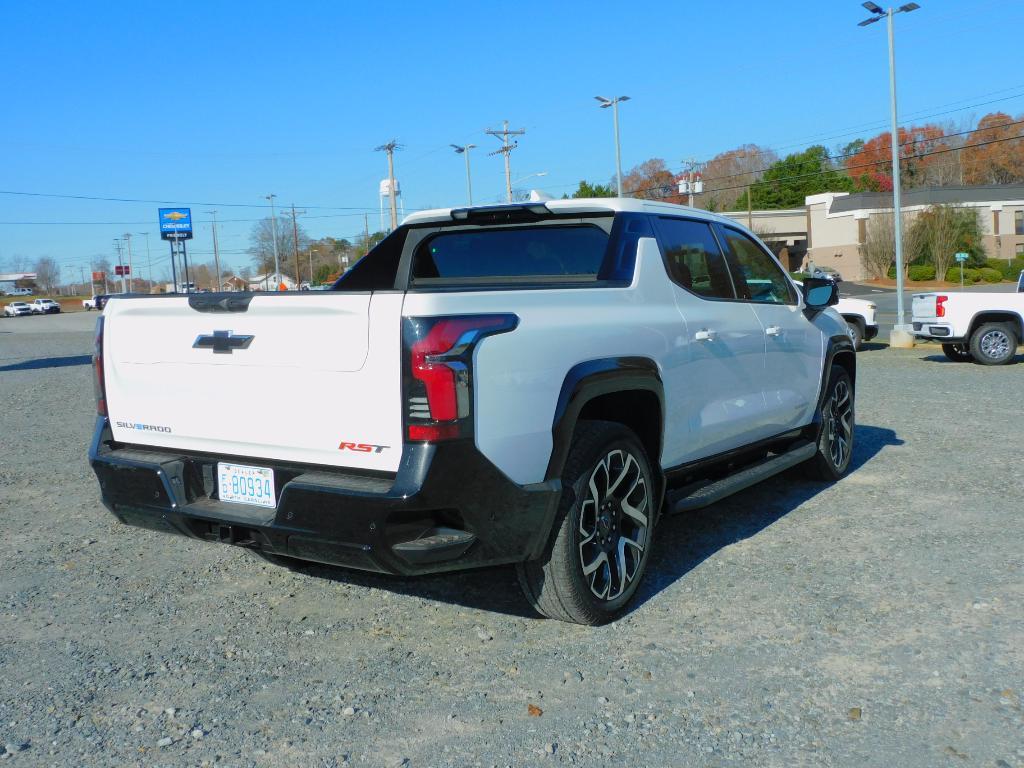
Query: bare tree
column 262, row 245
column 47, row 273
column 878, row 251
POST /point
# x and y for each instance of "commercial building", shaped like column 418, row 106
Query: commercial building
column 831, row 228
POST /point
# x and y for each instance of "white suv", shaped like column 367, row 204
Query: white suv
column 530, row 384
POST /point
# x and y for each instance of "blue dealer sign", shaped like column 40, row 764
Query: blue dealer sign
column 176, row 223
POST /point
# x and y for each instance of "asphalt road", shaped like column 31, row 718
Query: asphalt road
column 875, row 622
column 885, row 298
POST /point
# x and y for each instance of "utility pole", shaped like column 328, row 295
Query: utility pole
column 693, row 185
column 273, row 233
column 128, row 244
column 390, row 148
column 295, row 245
column 506, row 150
column 310, row 267
column 366, row 233
column 469, row 179
column 149, row 261
column 216, row 250
column 120, row 263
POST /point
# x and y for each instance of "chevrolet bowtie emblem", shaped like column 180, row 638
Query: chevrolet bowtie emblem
column 175, row 216
column 222, row 342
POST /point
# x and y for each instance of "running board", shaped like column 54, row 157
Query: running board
column 706, row 492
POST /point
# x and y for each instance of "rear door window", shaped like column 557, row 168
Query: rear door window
column 549, row 253
column 693, row 258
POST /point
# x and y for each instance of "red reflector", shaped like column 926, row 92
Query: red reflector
column 940, row 309
column 433, row 432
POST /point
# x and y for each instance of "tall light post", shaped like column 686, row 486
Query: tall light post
column 469, row 179
column 901, row 336
column 216, row 250
column 128, row 245
column 273, row 233
column 614, row 104
column 149, row 261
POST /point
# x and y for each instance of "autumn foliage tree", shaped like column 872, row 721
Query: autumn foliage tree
column 727, row 173
column 994, row 152
column 871, row 167
column 652, row 180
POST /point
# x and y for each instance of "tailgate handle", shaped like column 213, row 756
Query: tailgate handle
column 214, row 302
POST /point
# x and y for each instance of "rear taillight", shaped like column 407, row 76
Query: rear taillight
column 940, row 308
column 439, row 372
column 97, row 367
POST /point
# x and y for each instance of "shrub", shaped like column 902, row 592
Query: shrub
column 990, row 275
column 1009, row 269
column 970, row 275
column 801, row 276
column 892, row 272
column 921, row 272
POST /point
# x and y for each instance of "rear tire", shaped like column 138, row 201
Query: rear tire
column 994, row 344
column 958, row 353
column 601, row 539
column 835, row 443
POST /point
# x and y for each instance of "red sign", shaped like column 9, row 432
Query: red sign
column 122, row 269
column 99, row 276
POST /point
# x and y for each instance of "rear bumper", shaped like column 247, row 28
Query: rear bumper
column 935, row 330
column 447, row 508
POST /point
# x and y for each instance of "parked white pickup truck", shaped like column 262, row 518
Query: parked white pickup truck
column 984, row 327
column 859, row 315
column 527, row 384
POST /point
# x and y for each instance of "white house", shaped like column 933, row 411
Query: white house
column 271, row 281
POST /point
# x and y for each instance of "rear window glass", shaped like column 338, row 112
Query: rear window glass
column 522, row 253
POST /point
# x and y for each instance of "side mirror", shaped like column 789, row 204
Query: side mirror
column 820, row 293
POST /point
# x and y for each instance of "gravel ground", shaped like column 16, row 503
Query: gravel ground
column 876, row 622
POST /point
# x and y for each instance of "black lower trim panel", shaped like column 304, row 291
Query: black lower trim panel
column 336, row 517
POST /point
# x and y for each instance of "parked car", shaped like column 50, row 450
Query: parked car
column 859, row 315
column 90, row 303
column 20, row 292
column 45, row 307
column 984, row 327
column 17, row 309
column 827, row 273
column 101, row 300
column 1020, row 282
column 529, row 384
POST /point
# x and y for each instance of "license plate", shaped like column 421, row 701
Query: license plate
column 240, row 484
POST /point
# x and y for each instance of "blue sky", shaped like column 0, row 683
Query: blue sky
column 223, row 102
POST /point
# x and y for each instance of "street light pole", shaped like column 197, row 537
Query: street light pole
column 216, row 250
column 901, row 336
column 149, row 261
column 273, row 232
column 614, row 104
column 469, row 179
column 128, row 244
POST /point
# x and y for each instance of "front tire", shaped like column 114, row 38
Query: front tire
column 994, row 344
column 602, row 536
column 856, row 333
column 835, row 443
column 958, row 353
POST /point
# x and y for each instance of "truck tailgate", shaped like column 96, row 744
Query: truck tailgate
column 293, row 377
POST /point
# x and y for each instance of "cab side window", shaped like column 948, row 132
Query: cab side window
column 693, row 258
column 757, row 275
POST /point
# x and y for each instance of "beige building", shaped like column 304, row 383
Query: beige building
column 830, row 230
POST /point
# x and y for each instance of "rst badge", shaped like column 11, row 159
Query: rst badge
column 363, row 447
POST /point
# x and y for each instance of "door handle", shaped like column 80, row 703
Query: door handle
column 704, row 335
column 773, row 330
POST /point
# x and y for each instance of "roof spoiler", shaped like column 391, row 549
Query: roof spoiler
column 499, row 214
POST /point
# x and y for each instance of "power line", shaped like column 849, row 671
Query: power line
column 169, row 202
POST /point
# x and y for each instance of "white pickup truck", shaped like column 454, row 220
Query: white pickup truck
column 984, row 327
column 527, row 384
